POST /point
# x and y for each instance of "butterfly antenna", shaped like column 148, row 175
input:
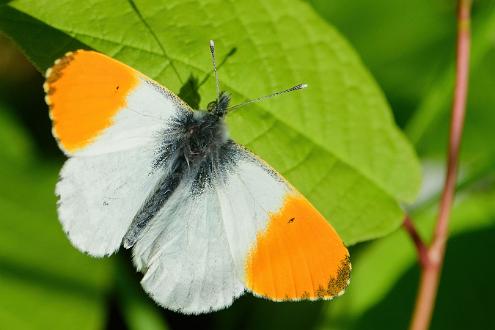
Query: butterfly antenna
column 212, row 51
column 294, row 88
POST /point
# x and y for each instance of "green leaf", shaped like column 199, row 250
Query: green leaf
column 336, row 141
column 478, row 128
column 404, row 52
column 18, row 149
column 435, row 106
column 43, row 278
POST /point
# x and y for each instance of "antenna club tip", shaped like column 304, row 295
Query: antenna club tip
column 304, row 86
column 212, row 43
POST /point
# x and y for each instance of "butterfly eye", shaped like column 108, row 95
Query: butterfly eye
column 211, row 106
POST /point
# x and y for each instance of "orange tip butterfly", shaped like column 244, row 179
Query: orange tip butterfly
column 205, row 218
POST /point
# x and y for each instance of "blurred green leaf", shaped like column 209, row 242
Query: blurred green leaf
column 478, row 129
column 435, row 106
column 16, row 149
column 465, row 293
column 42, row 277
column 405, row 51
column 336, row 141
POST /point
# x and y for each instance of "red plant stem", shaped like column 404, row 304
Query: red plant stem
column 421, row 248
column 430, row 275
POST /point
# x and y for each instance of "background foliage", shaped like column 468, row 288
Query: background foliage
column 336, row 141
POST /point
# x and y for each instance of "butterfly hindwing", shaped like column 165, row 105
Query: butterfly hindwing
column 184, row 251
column 185, row 256
column 99, row 196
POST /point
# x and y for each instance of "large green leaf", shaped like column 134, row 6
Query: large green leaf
column 42, row 277
column 336, row 141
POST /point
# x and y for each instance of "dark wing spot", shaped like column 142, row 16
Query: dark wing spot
column 291, row 220
column 320, row 292
column 337, row 285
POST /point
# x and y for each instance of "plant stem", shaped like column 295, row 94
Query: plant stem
column 432, row 267
column 421, row 248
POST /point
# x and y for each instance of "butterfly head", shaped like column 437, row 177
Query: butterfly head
column 219, row 107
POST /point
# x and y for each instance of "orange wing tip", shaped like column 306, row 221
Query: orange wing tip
column 48, row 72
column 58, row 65
column 55, row 72
column 60, row 145
column 298, row 256
column 82, row 104
column 336, row 287
column 52, row 74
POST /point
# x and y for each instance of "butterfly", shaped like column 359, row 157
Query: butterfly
column 205, row 218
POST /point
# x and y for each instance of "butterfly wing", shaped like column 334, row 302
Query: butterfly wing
column 283, row 247
column 108, row 118
column 244, row 227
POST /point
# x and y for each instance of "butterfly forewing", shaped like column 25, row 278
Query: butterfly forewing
column 108, row 118
column 283, row 247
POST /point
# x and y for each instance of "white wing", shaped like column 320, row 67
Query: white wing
column 184, row 253
column 99, row 196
